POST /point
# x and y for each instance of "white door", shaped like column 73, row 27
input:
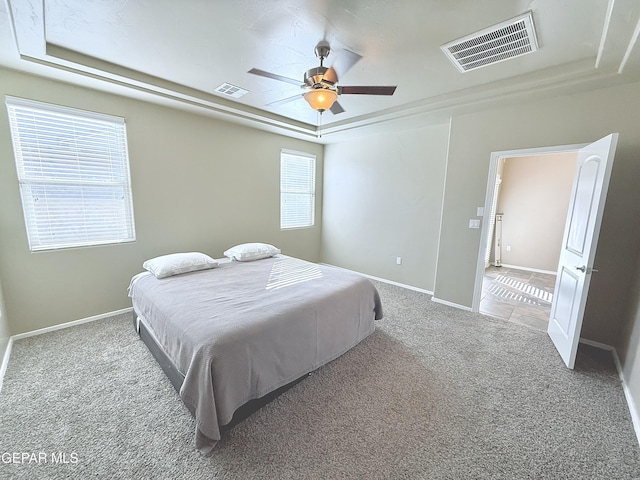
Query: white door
column 588, row 195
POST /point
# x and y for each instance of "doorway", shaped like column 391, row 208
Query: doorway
column 517, row 295
column 528, row 193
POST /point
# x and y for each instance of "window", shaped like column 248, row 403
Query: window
column 73, row 171
column 297, row 189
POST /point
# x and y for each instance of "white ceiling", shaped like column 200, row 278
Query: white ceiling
column 179, row 52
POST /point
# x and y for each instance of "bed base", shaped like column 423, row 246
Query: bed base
column 173, row 374
column 176, row 378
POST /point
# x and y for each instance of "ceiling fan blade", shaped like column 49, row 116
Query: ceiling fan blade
column 361, row 90
column 336, row 108
column 345, row 59
column 284, row 100
column 274, row 76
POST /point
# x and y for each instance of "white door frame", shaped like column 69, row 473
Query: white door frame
column 488, row 201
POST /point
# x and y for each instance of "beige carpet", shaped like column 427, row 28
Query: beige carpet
column 434, row 393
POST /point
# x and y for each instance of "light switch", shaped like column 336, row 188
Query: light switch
column 474, row 223
column 480, row 212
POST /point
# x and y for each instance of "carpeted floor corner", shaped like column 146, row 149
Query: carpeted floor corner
column 434, row 393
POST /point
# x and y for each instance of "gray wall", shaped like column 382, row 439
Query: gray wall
column 534, row 199
column 629, row 349
column 382, row 200
column 198, row 184
column 565, row 120
column 368, row 182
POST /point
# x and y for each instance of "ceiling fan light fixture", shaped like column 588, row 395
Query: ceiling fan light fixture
column 321, row 83
column 321, row 99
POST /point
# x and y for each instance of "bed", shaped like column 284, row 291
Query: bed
column 231, row 334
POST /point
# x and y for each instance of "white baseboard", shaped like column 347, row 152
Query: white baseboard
column 5, row 361
column 451, row 304
column 398, row 284
column 602, row 346
column 527, row 269
column 7, row 353
column 633, row 410
column 73, row 323
column 384, row 280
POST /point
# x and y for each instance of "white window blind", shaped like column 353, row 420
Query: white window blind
column 73, row 171
column 297, row 189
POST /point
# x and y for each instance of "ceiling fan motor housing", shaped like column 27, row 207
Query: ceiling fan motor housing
column 315, row 78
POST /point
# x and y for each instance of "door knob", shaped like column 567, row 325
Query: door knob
column 584, row 268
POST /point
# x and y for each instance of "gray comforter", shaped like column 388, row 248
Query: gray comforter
column 240, row 331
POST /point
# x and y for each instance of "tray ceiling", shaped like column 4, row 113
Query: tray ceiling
column 182, row 52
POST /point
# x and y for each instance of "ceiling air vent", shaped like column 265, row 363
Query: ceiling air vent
column 506, row 40
column 231, row 90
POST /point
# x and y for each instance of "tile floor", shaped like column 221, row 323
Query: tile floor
column 518, row 296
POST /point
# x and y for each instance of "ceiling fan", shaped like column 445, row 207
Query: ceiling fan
column 320, row 82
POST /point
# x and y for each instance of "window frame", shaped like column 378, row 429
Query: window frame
column 85, row 165
column 287, row 223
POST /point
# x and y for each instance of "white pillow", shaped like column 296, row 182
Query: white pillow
column 177, row 263
column 251, row 251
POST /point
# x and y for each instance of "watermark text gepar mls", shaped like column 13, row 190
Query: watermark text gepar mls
column 31, row 458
